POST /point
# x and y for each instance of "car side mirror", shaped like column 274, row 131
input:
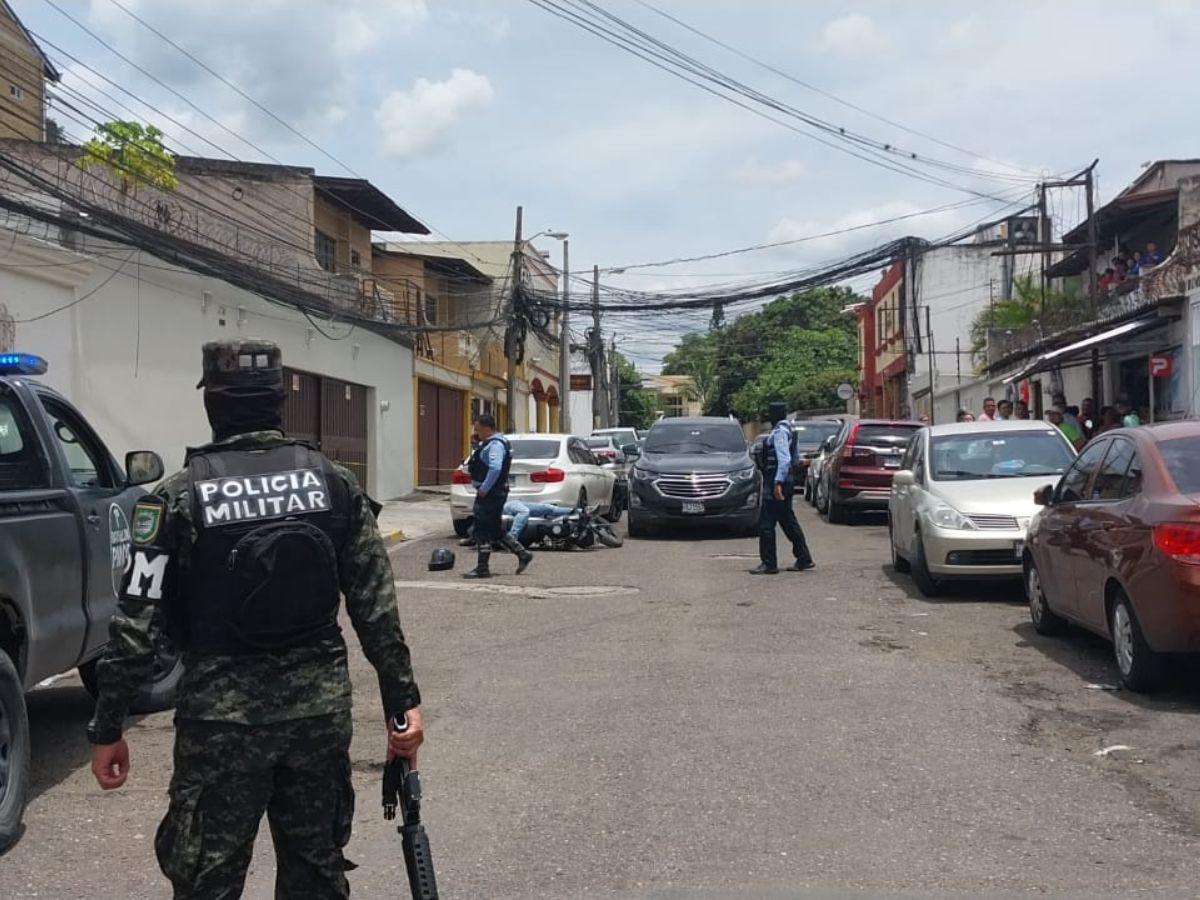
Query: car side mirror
column 1044, row 496
column 143, row 467
column 904, row 478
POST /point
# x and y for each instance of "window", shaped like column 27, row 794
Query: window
column 534, row 449
column 85, row 459
column 1182, row 456
column 668, row 437
column 325, row 250
column 1110, row 480
column 1073, row 484
column 999, row 454
column 355, row 258
column 20, row 467
column 15, row 91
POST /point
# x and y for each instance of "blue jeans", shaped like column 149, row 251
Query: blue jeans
column 522, row 512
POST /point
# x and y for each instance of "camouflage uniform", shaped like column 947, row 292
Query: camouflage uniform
column 261, row 731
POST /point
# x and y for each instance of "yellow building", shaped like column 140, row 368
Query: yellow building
column 24, row 70
column 677, row 394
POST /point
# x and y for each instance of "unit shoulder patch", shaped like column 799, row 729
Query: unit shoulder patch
column 147, row 519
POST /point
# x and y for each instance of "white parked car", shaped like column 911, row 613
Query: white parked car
column 546, row 468
column 963, row 497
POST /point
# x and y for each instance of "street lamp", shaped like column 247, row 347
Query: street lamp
column 564, row 349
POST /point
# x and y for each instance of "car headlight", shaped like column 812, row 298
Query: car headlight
column 744, row 474
column 641, row 474
column 945, row 516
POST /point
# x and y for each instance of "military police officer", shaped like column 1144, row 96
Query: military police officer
column 776, row 456
column 488, row 468
column 243, row 557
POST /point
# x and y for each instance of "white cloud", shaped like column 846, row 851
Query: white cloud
column 417, row 122
column 755, row 173
column 855, row 36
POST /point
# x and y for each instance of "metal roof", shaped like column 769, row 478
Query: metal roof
column 369, row 205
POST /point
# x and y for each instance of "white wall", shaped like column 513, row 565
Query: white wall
column 129, row 355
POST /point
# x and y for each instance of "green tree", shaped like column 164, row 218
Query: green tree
column 696, row 356
column 1054, row 310
column 133, row 153
column 638, row 406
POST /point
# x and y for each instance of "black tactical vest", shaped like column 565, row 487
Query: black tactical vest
column 768, row 460
column 270, row 523
column 477, row 466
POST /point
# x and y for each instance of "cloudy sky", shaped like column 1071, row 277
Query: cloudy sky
column 462, row 109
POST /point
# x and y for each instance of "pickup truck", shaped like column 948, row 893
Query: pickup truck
column 65, row 507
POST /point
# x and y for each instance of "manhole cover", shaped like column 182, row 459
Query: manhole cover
column 520, row 590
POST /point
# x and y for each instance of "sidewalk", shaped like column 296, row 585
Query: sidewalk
column 420, row 513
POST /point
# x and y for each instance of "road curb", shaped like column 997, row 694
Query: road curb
column 392, row 538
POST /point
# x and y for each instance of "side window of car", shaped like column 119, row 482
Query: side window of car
column 1110, row 479
column 85, row 458
column 21, row 466
column 573, row 453
column 1133, row 477
column 1074, row 483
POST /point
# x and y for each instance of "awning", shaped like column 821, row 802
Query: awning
column 1057, row 357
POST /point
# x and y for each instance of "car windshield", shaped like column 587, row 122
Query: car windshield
column 534, row 449
column 884, row 435
column 810, row 434
column 1182, row 456
column 1015, row 454
column 675, row 438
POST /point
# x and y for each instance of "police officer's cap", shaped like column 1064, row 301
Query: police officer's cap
column 250, row 361
column 776, row 410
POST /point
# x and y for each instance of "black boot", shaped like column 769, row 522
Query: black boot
column 524, row 557
column 764, row 569
column 481, row 569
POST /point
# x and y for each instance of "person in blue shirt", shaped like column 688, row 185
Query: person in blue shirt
column 488, row 467
column 522, row 512
column 775, row 462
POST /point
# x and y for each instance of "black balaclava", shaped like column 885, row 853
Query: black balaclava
column 241, row 408
column 776, row 411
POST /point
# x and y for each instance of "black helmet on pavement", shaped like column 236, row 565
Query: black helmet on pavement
column 441, row 559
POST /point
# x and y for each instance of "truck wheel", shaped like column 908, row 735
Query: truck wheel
column 462, row 527
column 14, row 753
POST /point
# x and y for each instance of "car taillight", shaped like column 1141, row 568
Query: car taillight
column 460, row 477
column 1180, row 541
column 548, row 476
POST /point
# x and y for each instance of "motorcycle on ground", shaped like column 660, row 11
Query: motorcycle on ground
column 580, row 528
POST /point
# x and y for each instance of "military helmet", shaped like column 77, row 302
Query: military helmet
column 441, row 559
column 241, row 362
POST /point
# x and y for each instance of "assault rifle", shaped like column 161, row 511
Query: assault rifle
column 402, row 786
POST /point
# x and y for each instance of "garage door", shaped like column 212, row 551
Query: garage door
column 441, row 435
column 331, row 415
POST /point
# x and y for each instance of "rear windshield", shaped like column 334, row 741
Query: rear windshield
column 884, row 435
column 534, row 449
column 621, row 438
column 599, row 443
column 672, row 438
column 1182, row 456
column 971, row 457
column 810, row 434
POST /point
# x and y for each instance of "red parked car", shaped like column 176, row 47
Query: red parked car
column 859, row 468
column 1117, row 548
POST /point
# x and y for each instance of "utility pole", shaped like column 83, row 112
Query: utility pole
column 1093, row 240
column 929, row 337
column 564, row 349
column 511, row 336
column 1044, row 234
column 1009, row 263
column 596, row 357
column 615, row 389
column 957, row 376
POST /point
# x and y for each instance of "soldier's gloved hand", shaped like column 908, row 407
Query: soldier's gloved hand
column 110, row 764
column 405, row 743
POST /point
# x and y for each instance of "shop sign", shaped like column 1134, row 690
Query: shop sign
column 1161, row 366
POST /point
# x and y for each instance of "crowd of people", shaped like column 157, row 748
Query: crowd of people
column 1127, row 265
column 1078, row 423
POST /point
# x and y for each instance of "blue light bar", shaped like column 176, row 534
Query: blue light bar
column 22, row 364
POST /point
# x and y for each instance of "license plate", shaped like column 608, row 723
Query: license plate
column 691, row 506
column 891, row 462
column 1018, row 548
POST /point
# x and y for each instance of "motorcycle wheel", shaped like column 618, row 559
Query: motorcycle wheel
column 608, row 537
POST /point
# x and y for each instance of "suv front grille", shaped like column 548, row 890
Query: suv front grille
column 693, row 487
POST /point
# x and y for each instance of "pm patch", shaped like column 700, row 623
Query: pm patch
column 147, row 520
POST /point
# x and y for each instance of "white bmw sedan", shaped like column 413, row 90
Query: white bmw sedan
column 546, row 468
column 963, row 497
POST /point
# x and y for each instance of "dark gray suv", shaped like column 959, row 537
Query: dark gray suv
column 693, row 469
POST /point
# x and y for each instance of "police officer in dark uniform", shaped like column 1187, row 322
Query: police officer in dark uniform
column 776, row 454
column 243, row 557
column 488, row 468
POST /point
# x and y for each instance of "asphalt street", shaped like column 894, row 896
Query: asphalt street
column 651, row 721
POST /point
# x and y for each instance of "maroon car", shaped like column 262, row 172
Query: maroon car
column 1117, row 548
column 858, row 472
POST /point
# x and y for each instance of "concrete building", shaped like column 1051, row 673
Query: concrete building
column 119, row 289
column 677, row 394
column 24, row 71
